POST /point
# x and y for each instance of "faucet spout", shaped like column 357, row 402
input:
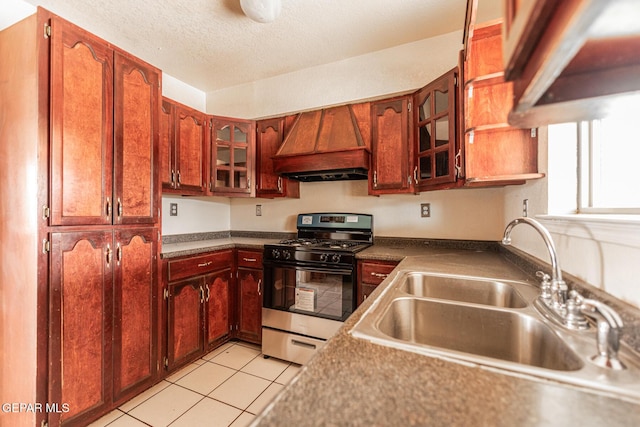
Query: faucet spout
column 558, row 285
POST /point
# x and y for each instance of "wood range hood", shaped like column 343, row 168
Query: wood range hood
column 324, row 145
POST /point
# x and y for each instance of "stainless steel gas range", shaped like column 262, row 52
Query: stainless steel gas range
column 310, row 283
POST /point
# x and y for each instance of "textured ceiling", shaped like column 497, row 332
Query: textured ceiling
column 211, row 45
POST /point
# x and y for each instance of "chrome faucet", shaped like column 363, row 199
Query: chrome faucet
column 554, row 292
column 571, row 309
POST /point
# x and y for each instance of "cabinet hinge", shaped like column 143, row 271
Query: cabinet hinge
column 46, row 246
column 46, row 212
column 47, row 31
column 534, row 132
column 166, row 293
column 43, row 423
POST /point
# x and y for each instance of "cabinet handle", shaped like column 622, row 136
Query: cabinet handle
column 249, row 183
column 109, row 255
column 178, row 184
column 259, row 286
column 381, row 275
column 119, row 207
column 173, row 178
column 415, row 174
column 208, row 293
column 108, row 207
column 201, row 295
column 279, row 184
column 118, row 253
column 375, row 178
column 249, row 259
column 205, row 264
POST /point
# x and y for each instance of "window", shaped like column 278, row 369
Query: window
column 609, row 164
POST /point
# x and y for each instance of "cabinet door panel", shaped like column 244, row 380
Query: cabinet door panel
column 80, row 333
column 191, row 127
column 184, row 339
column 136, row 106
column 218, row 303
column 135, row 312
column 391, row 159
column 167, row 160
column 250, row 305
column 81, row 126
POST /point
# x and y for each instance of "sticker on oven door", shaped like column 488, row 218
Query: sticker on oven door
column 307, row 220
column 352, row 218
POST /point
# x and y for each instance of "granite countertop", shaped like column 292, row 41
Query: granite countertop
column 355, row 382
column 178, row 249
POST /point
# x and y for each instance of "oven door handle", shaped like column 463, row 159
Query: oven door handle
column 309, row 268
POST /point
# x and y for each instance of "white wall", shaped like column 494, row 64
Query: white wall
column 399, row 69
column 181, row 92
column 455, row 214
column 12, row 11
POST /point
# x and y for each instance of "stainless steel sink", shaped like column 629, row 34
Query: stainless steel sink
column 472, row 290
column 492, row 323
column 509, row 336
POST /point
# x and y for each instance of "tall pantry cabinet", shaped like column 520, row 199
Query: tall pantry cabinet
column 80, row 206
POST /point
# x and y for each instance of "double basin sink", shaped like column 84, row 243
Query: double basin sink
column 489, row 323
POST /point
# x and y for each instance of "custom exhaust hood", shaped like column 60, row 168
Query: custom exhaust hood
column 324, row 145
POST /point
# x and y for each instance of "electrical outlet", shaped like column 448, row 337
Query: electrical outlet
column 525, row 207
column 258, row 210
column 173, row 209
column 425, row 210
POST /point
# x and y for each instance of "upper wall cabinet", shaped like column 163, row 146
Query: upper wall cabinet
column 437, row 148
column 270, row 134
column 184, row 135
column 232, row 156
column 495, row 153
column 569, row 60
column 104, row 132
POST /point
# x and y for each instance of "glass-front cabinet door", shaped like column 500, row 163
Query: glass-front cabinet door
column 435, row 119
column 232, row 148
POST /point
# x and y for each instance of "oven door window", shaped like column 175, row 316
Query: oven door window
column 317, row 292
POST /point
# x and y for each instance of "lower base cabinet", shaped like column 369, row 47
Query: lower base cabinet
column 370, row 275
column 103, row 320
column 249, row 325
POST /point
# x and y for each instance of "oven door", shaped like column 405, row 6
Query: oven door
column 311, row 290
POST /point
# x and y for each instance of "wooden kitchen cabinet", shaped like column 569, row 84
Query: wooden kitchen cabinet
column 104, row 132
column 392, row 162
column 495, row 153
column 232, row 157
column 370, row 275
column 437, row 147
column 198, row 305
column 270, row 134
column 250, row 289
column 569, row 60
column 183, row 143
column 102, row 319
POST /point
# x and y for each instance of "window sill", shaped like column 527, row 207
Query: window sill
column 623, row 230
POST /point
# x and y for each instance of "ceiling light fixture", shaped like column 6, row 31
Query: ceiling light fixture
column 261, row 10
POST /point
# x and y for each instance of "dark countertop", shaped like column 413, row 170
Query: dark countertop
column 355, row 382
column 178, row 249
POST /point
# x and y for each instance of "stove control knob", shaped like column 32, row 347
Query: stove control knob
column 287, row 255
column 275, row 253
column 324, row 257
column 335, row 258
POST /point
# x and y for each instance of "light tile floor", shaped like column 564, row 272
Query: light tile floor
column 227, row 387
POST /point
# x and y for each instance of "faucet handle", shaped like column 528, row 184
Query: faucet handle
column 545, row 285
column 574, row 318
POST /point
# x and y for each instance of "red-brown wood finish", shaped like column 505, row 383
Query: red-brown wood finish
column 81, row 126
column 436, row 139
column 190, row 135
column 250, row 296
column 218, row 315
column 198, row 265
column 184, row 313
column 166, row 162
column 136, row 106
column 269, row 137
column 135, row 311
column 495, row 153
column 392, row 147
column 370, row 275
column 80, row 326
column 232, row 152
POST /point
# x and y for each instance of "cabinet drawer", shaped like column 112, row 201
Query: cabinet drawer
column 374, row 273
column 250, row 259
column 200, row 264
